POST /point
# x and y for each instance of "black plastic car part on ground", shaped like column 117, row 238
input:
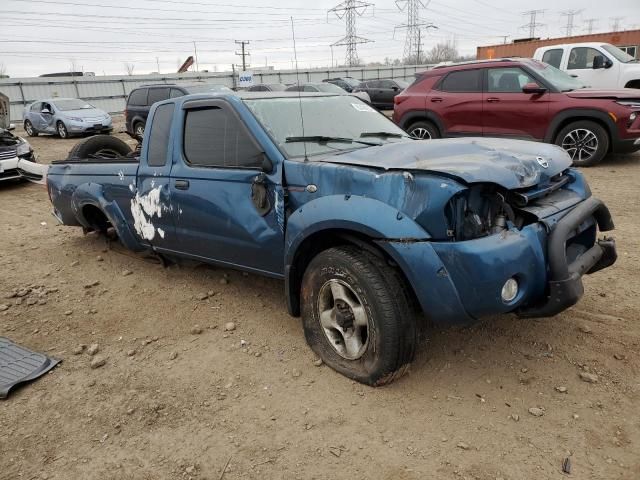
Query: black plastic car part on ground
column 19, row 365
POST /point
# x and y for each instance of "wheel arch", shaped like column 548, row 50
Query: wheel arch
column 633, row 83
column 566, row 117
column 414, row 116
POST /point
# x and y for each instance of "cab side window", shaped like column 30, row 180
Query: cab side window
column 507, row 80
column 582, row 58
column 159, row 136
column 215, row 137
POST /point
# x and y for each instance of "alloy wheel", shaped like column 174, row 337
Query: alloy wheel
column 343, row 319
column 421, row 133
column 581, row 144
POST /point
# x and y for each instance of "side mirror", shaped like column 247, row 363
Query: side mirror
column 267, row 165
column 533, row 89
column 395, row 89
column 12, row 126
column 45, row 111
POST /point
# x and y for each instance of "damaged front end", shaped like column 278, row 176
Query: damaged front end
column 18, row 160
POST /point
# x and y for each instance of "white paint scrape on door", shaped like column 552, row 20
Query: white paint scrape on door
column 143, row 209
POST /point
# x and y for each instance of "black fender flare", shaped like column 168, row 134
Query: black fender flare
column 583, row 114
column 413, row 116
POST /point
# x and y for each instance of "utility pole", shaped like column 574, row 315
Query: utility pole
column 615, row 26
column 504, row 38
column 158, row 64
column 349, row 10
column 590, row 22
column 195, row 55
column 413, row 38
column 570, row 14
column 532, row 25
column 244, row 54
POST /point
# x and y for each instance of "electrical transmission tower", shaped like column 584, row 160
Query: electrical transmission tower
column 615, row 25
column 244, row 54
column 570, row 14
column 532, row 25
column 413, row 38
column 349, row 10
column 590, row 22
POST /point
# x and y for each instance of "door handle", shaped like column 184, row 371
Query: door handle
column 436, row 99
column 493, row 99
column 181, row 184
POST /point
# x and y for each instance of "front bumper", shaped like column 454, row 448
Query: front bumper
column 459, row 282
column 85, row 127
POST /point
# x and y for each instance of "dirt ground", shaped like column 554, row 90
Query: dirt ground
column 171, row 403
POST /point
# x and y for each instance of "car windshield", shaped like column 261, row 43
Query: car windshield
column 351, row 81
column 556, row 77
column 619, row 54
column 72, row 104
column 207, row 88
column 341, row 118
column 402, row 84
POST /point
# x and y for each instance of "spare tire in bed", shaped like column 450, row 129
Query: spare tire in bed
column 103, row 146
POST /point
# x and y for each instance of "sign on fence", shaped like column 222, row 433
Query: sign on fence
column 245, row 79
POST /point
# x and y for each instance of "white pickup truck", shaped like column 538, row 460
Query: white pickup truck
column 597, row 65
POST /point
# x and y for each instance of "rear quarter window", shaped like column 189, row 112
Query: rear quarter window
column 138, row 97
column 553, row 57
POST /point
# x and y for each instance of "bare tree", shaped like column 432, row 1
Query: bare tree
column 3, row 70
column 129, row 68
column 443, row 52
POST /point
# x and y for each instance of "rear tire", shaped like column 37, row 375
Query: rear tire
column 586, row 142
column 29, row 128
column 61, row 128
column 103, row 146
column 357, row 317
column 138, row 129
column 423, row 131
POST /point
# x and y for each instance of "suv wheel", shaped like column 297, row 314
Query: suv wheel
column 138, row 129
column 423, row 131
column 357, row 315
column 586, row 142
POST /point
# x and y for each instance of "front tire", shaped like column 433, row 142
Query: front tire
column 357, row 317
column 586, row 142
column 423, row 131
column 62, row 130
column 28, row 127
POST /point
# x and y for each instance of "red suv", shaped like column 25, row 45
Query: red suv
column 521, row 98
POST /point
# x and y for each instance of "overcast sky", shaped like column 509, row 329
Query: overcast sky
column 42, row 36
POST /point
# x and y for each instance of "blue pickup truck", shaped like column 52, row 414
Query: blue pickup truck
column 373, row 232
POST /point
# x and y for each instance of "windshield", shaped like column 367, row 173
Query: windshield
column 207, row 88
column 342, row 117
column 72, row 104
column 351, row 81
column 619, row 54
column 557, row 78
column 402, row 84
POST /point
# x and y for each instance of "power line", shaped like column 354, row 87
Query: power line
column 243, row 53
column 570, row 14
column 349, row 10
column 532, row 25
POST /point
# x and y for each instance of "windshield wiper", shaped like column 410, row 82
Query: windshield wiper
column 383, row 134
column 324, row 139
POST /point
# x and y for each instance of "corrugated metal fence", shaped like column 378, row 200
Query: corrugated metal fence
column 110, row 92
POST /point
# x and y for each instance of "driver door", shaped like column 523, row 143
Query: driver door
column 227, row 206
column 580, row 65
column 46, row 121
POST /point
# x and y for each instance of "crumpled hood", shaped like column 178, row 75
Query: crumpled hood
column 617, row 94
column 509, row 163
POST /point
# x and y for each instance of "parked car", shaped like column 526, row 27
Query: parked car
column 16, row 155
column 382, row 92
column 365, row 225
column 598, row 65
column 140, row 100
column 521, row 98
column 267, row 87
column 325, row 88
column 348, row 84
column 65, row 117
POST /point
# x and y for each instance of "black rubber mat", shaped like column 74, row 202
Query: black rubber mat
column 18, row 365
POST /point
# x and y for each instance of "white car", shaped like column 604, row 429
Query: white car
column 17, row 159
column 597, row 65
